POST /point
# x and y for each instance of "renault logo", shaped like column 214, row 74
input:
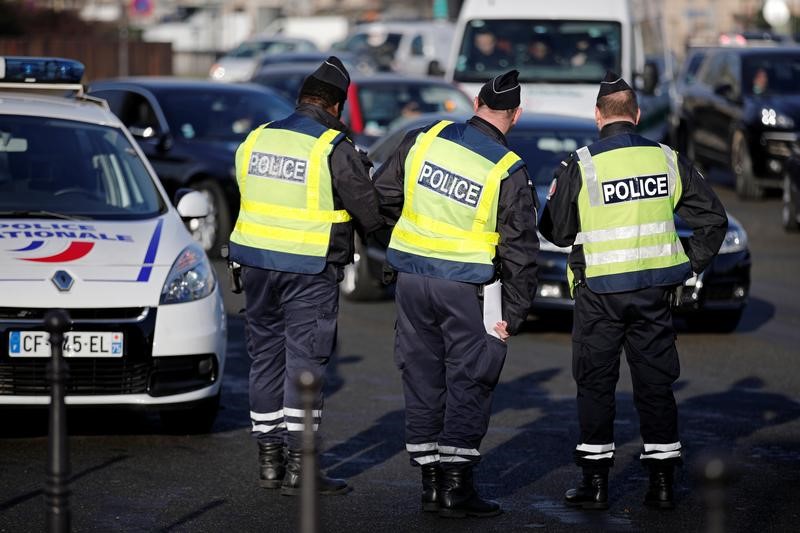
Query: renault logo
column 62, row 281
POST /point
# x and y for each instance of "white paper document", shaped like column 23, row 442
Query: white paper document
column 492, row 306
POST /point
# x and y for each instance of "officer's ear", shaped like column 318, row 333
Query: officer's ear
column 517, row 114
column 638, row 116
column 475, row 104
column 598, row 118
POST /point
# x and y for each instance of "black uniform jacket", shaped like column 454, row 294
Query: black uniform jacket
column 699, row 207
column 516, row 224
column 352, row 188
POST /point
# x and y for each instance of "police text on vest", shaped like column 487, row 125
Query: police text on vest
column 278, row 167
column 450, row 185
column 635, row 188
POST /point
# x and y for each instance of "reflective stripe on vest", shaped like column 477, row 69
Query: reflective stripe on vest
column 626, row 208
column 286, row 192
column 450, row 204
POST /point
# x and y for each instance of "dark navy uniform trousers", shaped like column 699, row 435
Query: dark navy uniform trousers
column 449, row 366
column 290, row 327
column 640, row 322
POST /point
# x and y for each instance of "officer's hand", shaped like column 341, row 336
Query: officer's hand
column 500, row 328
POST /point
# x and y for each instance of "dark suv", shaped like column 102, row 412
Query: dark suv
column 743, row 113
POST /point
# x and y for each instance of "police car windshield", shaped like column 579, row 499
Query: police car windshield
column 72, row 170
column 226, row 116
column 552, row 51
column 543, row 150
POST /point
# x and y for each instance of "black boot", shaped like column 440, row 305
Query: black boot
column 271, row 464
column 591, row 493
column 431, row 477
column 660, row 494
column 291, row 481
column 457, row 497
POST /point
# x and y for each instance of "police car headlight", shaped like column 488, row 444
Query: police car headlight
column 735, row 241
column 191, row 277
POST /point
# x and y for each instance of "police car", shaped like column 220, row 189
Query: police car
column 86, row 226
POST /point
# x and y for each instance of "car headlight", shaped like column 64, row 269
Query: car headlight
column 735, row 241
column 770, row 117
column 191, row 277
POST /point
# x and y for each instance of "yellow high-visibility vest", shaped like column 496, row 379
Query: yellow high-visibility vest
column 286, row 212
column 626, row 205
column 452, row 185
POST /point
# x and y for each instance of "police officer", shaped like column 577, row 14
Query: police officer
column 613, row 202
column 465, row 213
column 301, row 183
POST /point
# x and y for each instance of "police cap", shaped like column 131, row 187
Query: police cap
column 501, row 92
column 612, row 83
column 333, row 72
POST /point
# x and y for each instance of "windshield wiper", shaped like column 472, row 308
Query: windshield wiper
column 40, row 213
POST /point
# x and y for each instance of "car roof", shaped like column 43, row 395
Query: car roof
column 356, row 77
column 163, row 82
column 526, row 121
column 760, row 50
column 66, row 108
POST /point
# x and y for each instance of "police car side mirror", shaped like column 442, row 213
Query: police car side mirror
column 193, row 204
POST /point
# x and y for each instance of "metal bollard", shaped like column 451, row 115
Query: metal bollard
column 309, row 508
column 716, row 472
column 56, row 490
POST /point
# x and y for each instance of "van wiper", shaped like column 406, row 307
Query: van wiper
column 39, row 213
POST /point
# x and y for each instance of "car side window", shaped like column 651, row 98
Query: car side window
column 138, row 115
column 417, row 46
column 734, row 72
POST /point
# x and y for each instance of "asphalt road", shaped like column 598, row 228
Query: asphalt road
column 738, row 399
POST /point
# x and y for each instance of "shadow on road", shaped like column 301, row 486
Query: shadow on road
column 22, row 498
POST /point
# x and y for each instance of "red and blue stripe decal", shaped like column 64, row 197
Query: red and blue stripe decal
column 150, row 255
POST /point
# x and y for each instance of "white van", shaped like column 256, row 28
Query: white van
column 562, row 50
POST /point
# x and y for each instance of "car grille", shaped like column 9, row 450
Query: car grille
column 112, row 314
column 86, row 376
column 721, row 291
column 128, row 374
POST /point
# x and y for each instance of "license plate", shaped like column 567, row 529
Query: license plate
column 76, row 344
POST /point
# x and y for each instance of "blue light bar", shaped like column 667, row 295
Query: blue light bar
column 40, row 70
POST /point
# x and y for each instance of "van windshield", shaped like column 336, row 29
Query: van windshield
column 550, row 51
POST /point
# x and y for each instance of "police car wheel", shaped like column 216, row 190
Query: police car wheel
column 742, row 166
column 194, row 418
column 358, row 285
column 212, row 231
column 789, row 210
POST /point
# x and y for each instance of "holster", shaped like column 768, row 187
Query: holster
column 234, row 270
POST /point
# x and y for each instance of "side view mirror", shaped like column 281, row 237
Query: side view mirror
column 649, row 78
column 192, row 204
column 142, row 132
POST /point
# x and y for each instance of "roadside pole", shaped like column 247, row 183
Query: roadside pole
column 56, row 491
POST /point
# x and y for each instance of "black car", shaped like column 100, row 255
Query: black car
column 189, row 131
column 790, row 213
column 743, row 113
column 375, row 102
column 714, row 300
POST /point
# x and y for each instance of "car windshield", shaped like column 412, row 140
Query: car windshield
column 60, row 167
column 220, row 116
column 383, row 103
column 249, row 49
column 543, row 150
column 771, row 74
column 551, row 51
